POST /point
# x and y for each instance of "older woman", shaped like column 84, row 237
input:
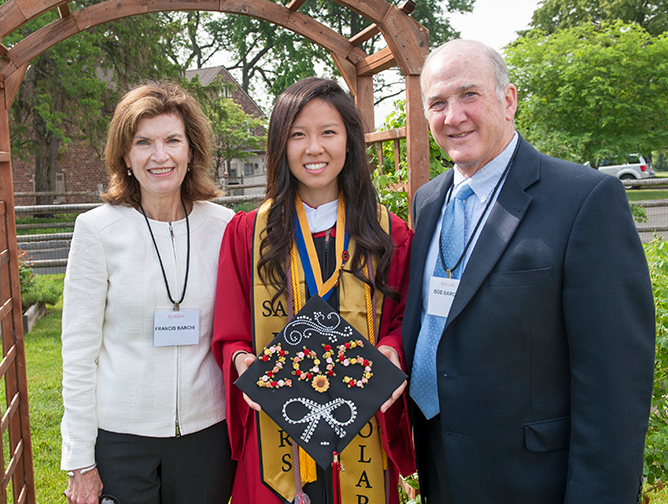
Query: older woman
column 144, row 399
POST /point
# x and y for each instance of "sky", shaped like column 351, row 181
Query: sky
column 493, row 22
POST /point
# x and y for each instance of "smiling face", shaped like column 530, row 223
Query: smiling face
column 466, row 116
column 316, row 151
column 159, row 158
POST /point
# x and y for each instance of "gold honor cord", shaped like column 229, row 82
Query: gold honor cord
column 307, row 471
column 333, row 280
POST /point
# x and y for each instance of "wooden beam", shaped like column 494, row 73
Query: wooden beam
column 34, row 8
column 348, row 72
column 373, row 10
column 385, row 136
column 407, row 39
column 107, row 11
column 6, row 308
column 188, row 5
column 41, row 40
column 365, row 35
column 407, row 6
column 47, row 36
column 14, row 462
column 376, row 63
column 11, row 18
column 295, row 5
column 63, row 10
column 12, row 85
column 364, row 102
column 13, row 406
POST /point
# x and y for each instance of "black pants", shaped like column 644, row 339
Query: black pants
column 434, row 481
column 196, row 468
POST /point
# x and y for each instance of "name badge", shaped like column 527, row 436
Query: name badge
column 172, row 328
column 441, row 295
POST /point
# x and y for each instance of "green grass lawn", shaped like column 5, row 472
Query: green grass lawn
column 44, row 369
column 646, row 193
column 649, row 193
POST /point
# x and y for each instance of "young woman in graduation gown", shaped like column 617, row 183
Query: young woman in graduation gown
column 319, row 188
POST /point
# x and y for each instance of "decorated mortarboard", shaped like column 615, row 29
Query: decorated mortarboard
column 320, row 380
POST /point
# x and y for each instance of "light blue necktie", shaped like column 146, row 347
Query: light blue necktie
column 424, row 383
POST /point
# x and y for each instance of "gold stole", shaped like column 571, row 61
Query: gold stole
column 363, row 459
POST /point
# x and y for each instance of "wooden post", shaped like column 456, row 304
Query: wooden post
column 417, row 139
column 364, row 102
column 12, row 366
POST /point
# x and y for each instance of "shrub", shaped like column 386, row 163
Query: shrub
column 25, row 269
column 41, row 290
column 656, row 445
column 390, row 182
column 34, row 288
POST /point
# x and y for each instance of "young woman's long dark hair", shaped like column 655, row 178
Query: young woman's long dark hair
column 354, row 182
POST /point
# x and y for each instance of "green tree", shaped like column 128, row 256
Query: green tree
column 390, row 181
column 197, row 38
column 656, row 445
column 235, row 133
column 592, row 91
column 555, row 15
column 69, row 91
column 41, row 115
column 266, row 56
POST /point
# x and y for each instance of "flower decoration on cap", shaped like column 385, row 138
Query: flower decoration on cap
column 326, row 390
column 320, row 383
column 358, row 360
column 269, row 379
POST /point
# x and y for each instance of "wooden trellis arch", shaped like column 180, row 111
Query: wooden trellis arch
column 407, row 45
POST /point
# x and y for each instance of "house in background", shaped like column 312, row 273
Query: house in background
column 81, row 169
column 253, row 169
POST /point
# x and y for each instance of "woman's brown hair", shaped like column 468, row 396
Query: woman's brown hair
column 148, row 101
column 354, row 183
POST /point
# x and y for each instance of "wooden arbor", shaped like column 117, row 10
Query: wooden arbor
column 407, row 46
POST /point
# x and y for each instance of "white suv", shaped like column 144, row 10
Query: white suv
column 633, row 167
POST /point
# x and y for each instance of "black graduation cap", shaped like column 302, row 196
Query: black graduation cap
column 320, row 380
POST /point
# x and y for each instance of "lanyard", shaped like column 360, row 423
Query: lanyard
column 309, row 256
column 185, row 282
column 482, row 216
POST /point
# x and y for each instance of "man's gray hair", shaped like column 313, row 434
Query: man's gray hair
column 497, row 61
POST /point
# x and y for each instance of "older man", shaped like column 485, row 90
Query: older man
column 529, row 325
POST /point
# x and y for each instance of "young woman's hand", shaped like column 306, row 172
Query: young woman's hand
column 392, row 354
column 242, row 360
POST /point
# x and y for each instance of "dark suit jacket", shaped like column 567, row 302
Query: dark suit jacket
column 545, row 365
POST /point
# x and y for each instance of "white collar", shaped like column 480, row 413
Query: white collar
column 323, row 217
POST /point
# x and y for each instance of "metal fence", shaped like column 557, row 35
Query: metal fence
column 655, row 210
column 48, row 251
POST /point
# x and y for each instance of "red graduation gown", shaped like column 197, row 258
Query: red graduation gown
column 232, row 332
